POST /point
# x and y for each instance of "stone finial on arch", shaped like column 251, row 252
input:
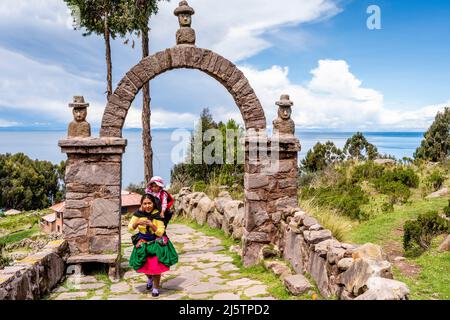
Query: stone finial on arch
column 182, row 56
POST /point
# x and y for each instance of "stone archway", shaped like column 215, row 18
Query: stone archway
column 188, row 57
column 94, row 167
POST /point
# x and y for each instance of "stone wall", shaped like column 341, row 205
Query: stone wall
column 34, row 276
column 222, row 213
column 341, row 270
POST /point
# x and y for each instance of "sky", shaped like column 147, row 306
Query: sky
column 340, row 74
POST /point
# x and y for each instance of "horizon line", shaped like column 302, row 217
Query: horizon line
column 297, row 129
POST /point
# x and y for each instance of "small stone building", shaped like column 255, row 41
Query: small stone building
column 53, row 222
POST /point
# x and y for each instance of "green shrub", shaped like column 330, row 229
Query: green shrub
column 419, row 233
column 347, row 199
column 447, row 210
column 321, row 156
column 305, row 179
column 435, row 180
column 199, row 186
column 226, row 161
column 367, row 171
column 396, row 183
column 406, row 176
column 387, row 207
column 4, row 260
column 395, row 190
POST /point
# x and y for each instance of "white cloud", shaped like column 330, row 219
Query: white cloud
column 40, row 88
column 411, row 119
column 233, row 28
column 161, row 119
column 6, row 123
column 334, row 98
column 236, row 28
column 46, row 13
column 47, row 90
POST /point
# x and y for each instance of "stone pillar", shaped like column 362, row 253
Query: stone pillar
column 270, row 185
column 284, row 149
column 284, row 188
column 258, row 224
column 93, row 198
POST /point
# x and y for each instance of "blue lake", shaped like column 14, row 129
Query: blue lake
column 43, row 145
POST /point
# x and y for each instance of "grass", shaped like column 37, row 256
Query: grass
column 9, row 224
column 20, row 235
column 382, row 228
column 274, row 284
column 102, row 275
column 426, row 275
column 338, row 224
column 433, row 281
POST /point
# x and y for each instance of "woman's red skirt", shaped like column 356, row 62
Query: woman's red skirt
column 153, row 266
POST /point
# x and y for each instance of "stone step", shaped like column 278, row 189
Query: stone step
column 100, row 258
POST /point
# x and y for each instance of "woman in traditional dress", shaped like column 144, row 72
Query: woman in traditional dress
column 153, row 252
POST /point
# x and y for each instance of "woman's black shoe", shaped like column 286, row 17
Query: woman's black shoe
column 149, row 286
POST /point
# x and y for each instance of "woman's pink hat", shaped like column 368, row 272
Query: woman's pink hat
column 157, row 180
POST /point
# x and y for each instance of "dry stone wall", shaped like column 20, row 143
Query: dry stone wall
column 34, row 276
column 342, row 270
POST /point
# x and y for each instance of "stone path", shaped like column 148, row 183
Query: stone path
column 203, row 272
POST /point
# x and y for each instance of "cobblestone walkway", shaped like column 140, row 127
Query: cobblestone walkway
column 203, row 272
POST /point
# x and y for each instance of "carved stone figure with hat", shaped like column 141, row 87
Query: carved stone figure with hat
column 185, row 35
column 284, row 125
column 79, row 127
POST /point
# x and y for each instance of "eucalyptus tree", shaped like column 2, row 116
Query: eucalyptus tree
column 139, row 13
column 101, row 17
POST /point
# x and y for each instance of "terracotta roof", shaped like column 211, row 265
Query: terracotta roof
column 50, row 217
column 59, row 207
column 130, row 199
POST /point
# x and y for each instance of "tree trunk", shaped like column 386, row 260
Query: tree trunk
column 146, row 115
column 108, row 57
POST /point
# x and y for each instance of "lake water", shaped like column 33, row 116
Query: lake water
column 43, row 145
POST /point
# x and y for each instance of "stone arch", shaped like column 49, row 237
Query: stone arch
column 93, row 176
column 94, row 168
column 182, row 56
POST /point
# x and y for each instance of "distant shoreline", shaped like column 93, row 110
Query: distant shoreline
column 298, row 130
